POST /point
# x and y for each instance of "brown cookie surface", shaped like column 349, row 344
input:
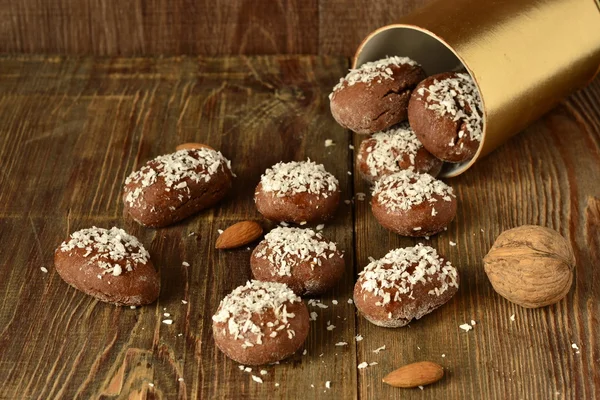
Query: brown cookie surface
column 446, row 114
column 394, row 150
column 175, row 186
column 260, row 323
column 301, row 258
column 375, row 96
column 405, row 284
column 108, row 264
column 298, row 192
column 412, row 204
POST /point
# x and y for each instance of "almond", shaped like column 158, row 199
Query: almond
column 416, row 374
column 239, row 234
column 186, row 146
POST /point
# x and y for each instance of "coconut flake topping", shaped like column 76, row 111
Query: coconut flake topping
column 386, row 149
column 287, row 247
column 400, row 270
column 459, row 97
column 370, row 71
column 176, row 169
column 108, row 247
column 295, row 177
column 404, row 189
column 256, row 297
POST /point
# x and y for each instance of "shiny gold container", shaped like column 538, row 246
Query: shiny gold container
column 524, row 55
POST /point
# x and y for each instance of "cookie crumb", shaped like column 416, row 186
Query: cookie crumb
column 363, row 365
column 185, row 264
column 329, row 142
column 334, row 302
column 452, row 243
column 512, row 318
column 328, row 384
column 168, row 321
column 341, row 344
column 44, row 270
column 257, row 379
column 183, row 302
column 358, row 338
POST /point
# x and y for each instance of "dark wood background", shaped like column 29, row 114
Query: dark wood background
column 74, row 126
column 193, row 27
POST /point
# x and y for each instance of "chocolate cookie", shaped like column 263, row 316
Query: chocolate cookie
column 175, row 186
column 375, row 96
column 299, row 192
column 108, row 264
column 394, row 150
column 405, row 284
column 412, row 204
column 301, row 258
column 260, row 323
column 446, row 113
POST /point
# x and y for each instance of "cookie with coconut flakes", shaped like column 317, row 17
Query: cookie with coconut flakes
column 301, row 258
column 175, row 186
column 446, row 114
column 108, row 264
column 260, row 323
column 405, row 284
column 394, row 150
column 298, row 191
column 412, row 204
column 375, row 96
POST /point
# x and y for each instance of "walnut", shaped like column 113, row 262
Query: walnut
column 531, row 266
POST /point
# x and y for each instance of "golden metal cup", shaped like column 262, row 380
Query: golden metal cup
column 524, row 55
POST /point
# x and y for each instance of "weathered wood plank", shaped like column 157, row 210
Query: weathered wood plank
column 343, row 24
column 547, row 175
column 112, row 27
column 74, row 128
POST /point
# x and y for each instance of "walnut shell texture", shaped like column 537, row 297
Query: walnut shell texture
column 531, row 266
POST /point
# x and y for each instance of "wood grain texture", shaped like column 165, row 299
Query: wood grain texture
column 74, row 129
column 547, row 175
column 345, row 23
column 177, row 27
column 152, row 27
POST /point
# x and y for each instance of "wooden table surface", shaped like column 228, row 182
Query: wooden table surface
column 73, row 129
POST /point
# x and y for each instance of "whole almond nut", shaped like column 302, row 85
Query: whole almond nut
column 239, row 234
column 416, row 374
column 187, row 146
